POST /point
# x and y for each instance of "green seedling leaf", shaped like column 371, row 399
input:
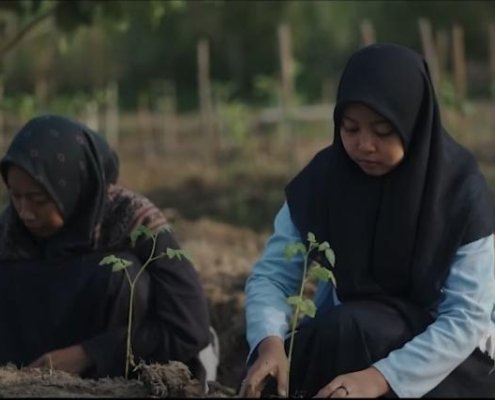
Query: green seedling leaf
column 292, row 249
column 177, row 253
column 330, row 256
column 295, row 300
column 308, row 308
column 323, row 246
column 311, row 237
column 320, row 273
column 116, row 262
column 139, row 231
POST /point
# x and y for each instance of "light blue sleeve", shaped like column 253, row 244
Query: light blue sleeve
column 464, row 315
column 272, row 280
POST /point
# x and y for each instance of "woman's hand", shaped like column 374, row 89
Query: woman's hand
column 271, row 361
column 72, row 359
column 368, row 382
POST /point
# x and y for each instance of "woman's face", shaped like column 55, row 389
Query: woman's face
column 33, row 204
column 370, row 140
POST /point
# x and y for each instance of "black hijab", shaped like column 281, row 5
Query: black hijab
column 393, row 235
column 75, row 165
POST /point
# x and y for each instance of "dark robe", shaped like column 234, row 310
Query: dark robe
column 53, row 291
column 395, row 235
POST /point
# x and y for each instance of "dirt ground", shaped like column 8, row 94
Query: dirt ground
column 223, row 256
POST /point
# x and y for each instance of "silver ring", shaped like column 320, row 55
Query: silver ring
column 345, row 389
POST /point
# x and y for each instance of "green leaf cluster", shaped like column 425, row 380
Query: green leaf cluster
column 117, row 263
column 305, row 306
column 121, row 264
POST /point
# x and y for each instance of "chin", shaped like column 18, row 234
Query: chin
column 374, row 172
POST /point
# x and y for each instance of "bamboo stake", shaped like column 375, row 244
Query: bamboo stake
column 287, row 89
column 205, row 93
column 459, row 57
column 491, row 48
column 429, row 50
column 112, row 114
column 367, row 32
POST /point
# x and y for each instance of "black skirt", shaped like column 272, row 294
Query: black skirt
column 352, row 336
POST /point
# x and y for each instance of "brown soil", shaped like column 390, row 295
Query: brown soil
column 223, row 256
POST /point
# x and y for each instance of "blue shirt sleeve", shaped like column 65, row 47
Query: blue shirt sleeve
column 272, row 280
column 464, row 315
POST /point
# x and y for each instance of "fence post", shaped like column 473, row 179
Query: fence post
column 491, row 48
column 145, row 124
column 442, row 45
column 430, row 51
column 167, row 115
column 491, row 52
column 459, row 59
column 112, row 114
column 92, row 115
column 205, row 95
column 287, row 75
column 3, row 136
column 367, row 32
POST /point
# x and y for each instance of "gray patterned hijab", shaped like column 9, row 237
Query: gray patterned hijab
column 76, row 166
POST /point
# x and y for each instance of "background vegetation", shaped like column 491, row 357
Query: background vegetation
column 130, row 69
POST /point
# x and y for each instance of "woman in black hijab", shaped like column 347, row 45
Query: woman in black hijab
column 57, row 304
column 410, row 219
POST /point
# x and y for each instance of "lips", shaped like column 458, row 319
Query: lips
column 368, row 162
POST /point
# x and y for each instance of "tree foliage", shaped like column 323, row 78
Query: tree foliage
column 140, row 43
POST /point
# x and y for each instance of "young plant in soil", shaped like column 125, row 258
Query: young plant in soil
column 312, row 270
column 119, row 264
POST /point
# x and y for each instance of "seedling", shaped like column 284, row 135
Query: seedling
column 312, row 270
column 119, row 264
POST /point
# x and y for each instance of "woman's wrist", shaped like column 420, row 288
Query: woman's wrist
column 271, row 343
column 381, row 383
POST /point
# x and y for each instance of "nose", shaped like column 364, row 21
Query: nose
column 366, row 142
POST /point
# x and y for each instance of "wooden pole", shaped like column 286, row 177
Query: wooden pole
column 146, row 130
column 3, row 138
column 442, row 45
column 459, row 59
column 429, row 50
column 41, row 85
column 287, row 73
column 367, row 32
column 167, row 109
column 491, row 52
column 286, row 65
column 92, row 115
column 491, row 48
column 205, row 94
column 112, row 114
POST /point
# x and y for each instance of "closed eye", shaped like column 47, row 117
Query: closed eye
column 351, row 129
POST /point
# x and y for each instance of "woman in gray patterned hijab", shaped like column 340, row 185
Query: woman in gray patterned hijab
column 66, row 213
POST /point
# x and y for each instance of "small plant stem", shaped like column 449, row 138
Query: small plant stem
column 129, row 355
column 296, row 316
column 129, row 358
column 150, row 259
